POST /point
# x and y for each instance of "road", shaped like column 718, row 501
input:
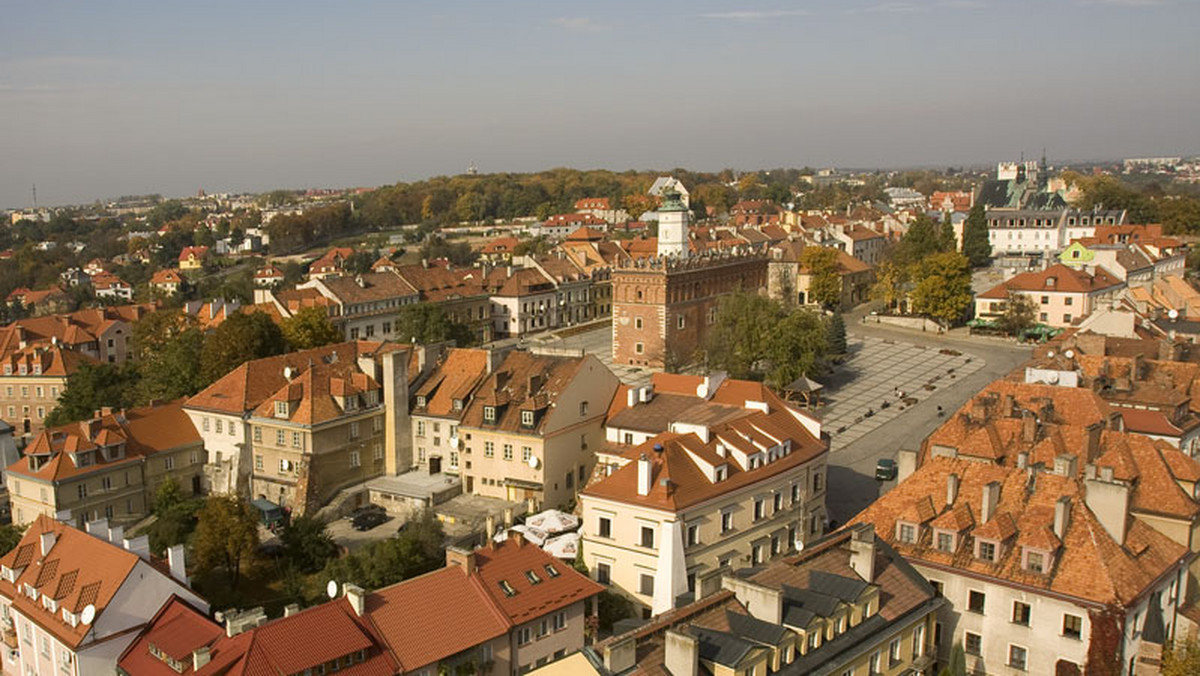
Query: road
column 852, row 484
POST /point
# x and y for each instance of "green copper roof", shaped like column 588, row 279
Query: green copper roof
column 672, row 201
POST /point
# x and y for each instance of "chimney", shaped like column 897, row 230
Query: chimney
column 1065, row 465
column 48, row 539
column 1091, row 443
column 177, row 560
column 238, row 621
column 535, row 383
column 1008, row 406
column 200, row 657
column 862, row 551
column 682, row 654
column 631, row 398
column 139, row 545
column 116, row 534
column 291, row 609
column 620, row 656
column 396, row 422
column 1136, row 368
column 1028, row 426
column 906, row 464
column 357, row 598
column 457, row 556
column 508, row 517
column 489, row 529
column 1109, row 502
column 1062, row 517
column 1022, row 459
column 991, row 496
column 643, row 467
column 951, row 489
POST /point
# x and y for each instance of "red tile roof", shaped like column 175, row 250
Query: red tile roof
column 1056, row 278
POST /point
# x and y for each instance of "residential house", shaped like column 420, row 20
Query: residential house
column 531, row 428
column 789, row 280
column 562, row 225
column 573, row 287
column 72, row 601
column 330, row 264
column 847, row 605
column 268, row 276
column 41, row 302
column 499, row 250
column 754, row 213
column 108, row 466
column 106, row 285
column 704, row 476
column 601, row 207
column 459, row 292
column 193, row 257
column 862, row 243
column 168, row 282
column 503, row 609
column 524, row 300
column 1044, row 569
column 367, row 304
column 297, row 427
column 441, row 401
column 1059, row 293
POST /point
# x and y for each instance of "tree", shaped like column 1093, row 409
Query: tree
column 175, row 517
column 837, row 335
column 426, row 323
column 417, row 549
column 307, row 544
column 825, row 284
column 946, row 239
column 1181, row 659
column 89, row 389
column 795, row 347
column 238, row 339
column 226, row 536
column 976, row 246
column 737, row 340
column 1019, row 314
column 943, row 287
column 10, row 536
column 958, row 661
column 309, row 328
column 891, row 282
column 166, row 344
column 922, row 239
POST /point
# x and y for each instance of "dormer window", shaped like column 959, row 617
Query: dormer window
column 281, row 409
column 1035, row 560
column 985, row 550
column 421, row 401
column 723, row 472
column 37, row 369
column 945, row 541
column 22, row 369
column 458, row 404
column 489, row 414
column 508, row 588
column 532, row 577
column 906, row 532
column 8, row 369
column 527, row 418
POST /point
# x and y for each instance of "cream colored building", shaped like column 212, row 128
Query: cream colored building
column 735, row 478
column 532, row 428
column 108, row 467
column 1059, row 294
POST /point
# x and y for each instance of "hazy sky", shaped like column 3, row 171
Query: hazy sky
column 100, row 99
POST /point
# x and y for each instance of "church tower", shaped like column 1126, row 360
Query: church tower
column 672, row 226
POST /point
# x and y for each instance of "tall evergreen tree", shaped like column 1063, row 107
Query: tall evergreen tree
column 946, row 239
column 837, row 334
column 976, row 246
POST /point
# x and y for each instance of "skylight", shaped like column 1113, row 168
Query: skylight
column 508, row 588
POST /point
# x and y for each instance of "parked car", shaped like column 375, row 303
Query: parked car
column 369, row 519
column 885, row 469
column 270, row 514
column 365, row 509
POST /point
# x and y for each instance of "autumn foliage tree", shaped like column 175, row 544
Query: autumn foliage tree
column 226, row 536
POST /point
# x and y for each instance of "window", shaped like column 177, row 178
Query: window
column 527, row 418
column 758, row 508
column 973, row 644
column 681, row 322
column 257, row 434
column 1067, row 317
column 559, row 621
column 637, row 323
column 604, row 527
column 726, row 521
column 693, row 535
column 378, row 448
column 777, row 503
column 297, row 440
column 646, row 584
column 1072, row 626
column 975, row 601
column 278, row 437
column 168, row 463
column 204, row 423
column 508, row 452
column 281, row 409
column 603, row 573
column 232, row 429
column 220, row 425
column 647, row 537
column 1020, row 613
column 1068, row 300
column 1016, row 657
column 987, row 550
column 354, row 459
column 795, row 493
column 420, row 428
column 1043, row 316
column 894, row 653
column 945, row 542
column 353, row 430
column 583, row 408
column 489, row 414
column 489, row 449
column 524, row 636
column 816, row 483
column 873, row 665
column 907, row 533
column 258, row 462
column 453, row 459
column 284, row 466
column 1035, row 561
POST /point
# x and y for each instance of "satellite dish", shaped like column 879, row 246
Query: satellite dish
column 1052, row 377
column 1050, row 354
column 1070, row 354
column 88, row 614
column 331, row 589
column 1173, row 313
column 534, row 462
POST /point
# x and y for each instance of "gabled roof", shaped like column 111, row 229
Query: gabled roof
column 368, row 287
column 1057, row 278
column 455, row 377
column 523, row 381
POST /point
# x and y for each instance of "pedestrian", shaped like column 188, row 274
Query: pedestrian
column 940, row 411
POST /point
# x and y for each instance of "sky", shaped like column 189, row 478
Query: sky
column 102, row 99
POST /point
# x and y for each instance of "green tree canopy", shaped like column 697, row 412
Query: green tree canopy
column 825, row 284
column 943, row 287
column 891, row 284
column 309, row 328
column 754, row 337
column 91, row 388
column 10, row 536
column 226, row 536
column 1181, row 658
column 1019, row 314
column 418, row 548
column 174, row 516
column 307, row 544
column 837, row 335
column 166, row 344
column 976, row 246
column 426, row 323
column 239, row 339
